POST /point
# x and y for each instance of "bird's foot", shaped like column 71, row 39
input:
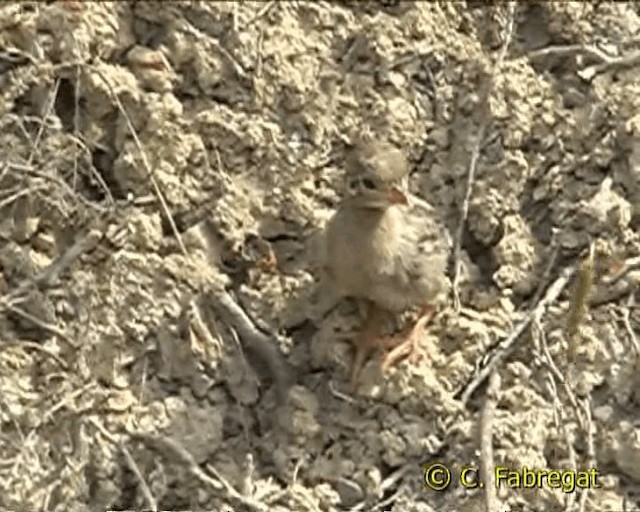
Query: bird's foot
column 409, row 343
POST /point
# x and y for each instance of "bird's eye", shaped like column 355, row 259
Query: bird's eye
column 353, row 184
column 368, row 183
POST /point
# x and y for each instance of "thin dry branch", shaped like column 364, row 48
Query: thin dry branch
column 561, row 424
column 625, row 61
column 464, row 213
column 582, row 413
column 604, row 63
column 622, row 282
column 627, row 266
column 32, row 171
column 554, row 249
column 247, row 501
column 475, row 153
column 47, row 112
column 187, row 28
column 21, row 193
column 147, row 166
column 487, row 464
column 44, row 325
column 591, row 451
column 626, row 320
column 254, row 342
column 49, row 275
column 94, row 172
column 389, row 483
column 506, row 347
column 166, row 445
column 76, row 123
column 554, row 370
column 262, row 12
column 24, row 344
column 146, row 491
column 249, row 469
column 66, row 400
column 569, row 50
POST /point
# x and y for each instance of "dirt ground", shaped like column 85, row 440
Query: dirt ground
column 165, row 174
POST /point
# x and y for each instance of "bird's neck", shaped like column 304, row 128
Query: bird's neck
column 374, row 217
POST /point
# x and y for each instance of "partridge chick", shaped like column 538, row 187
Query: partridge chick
column 387, row 250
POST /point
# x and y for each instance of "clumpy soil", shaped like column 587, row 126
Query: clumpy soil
column 165, row 173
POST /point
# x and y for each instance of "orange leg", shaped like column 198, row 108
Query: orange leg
column 409, row 342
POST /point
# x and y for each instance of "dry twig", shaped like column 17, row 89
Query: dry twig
column 561, row 425
column 505, row 347
column 605, row 62
column 26, row 169
column 486, row 443
column 591, row 451
column 44, row 325
column 249, row 470
column 627, row 266
column 20, row 193
column 66, row 400
column 247, row 501
column 147, row 166
column 553, row 369
column 187, row 28
column 464, row 213
column 262, row 12
column 255, row 342
column 50, row 273
column 47, row 112
column 626, row 313
column 569, row 50
column 144, row 487
column 24, row 344
column 623, row 281
column 166, row 445
column 548, row 269
column 582, row 414
column 625, row 61
column 475, row 154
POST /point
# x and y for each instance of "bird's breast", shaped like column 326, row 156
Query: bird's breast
column 360, row 251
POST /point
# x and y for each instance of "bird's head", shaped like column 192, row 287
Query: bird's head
column 376, row 176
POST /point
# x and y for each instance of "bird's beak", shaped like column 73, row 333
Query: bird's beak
column 397, row 196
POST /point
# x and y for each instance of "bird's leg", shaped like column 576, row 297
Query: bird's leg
column 408, row 343
column 367, row 341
